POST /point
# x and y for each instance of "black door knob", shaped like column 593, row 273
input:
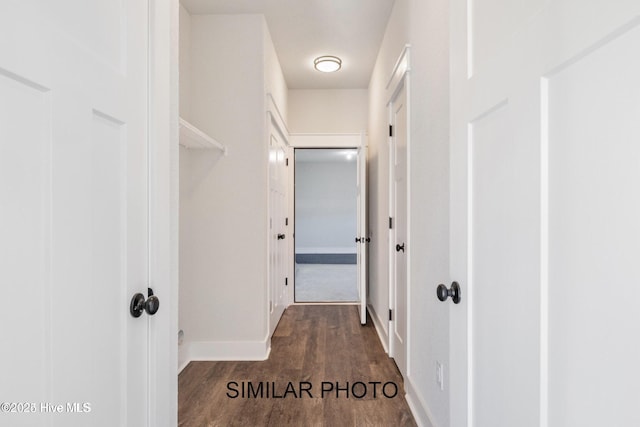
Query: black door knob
column 151, row 305
column 139, row 304
column 280, row 236
column 358, row 239
column 400, row 248
column 454, row 292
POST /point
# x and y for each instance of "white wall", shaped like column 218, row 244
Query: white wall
column 273, row 77
column 326, row 217
column 328, row 111
column 429, row 23
column 423, row 24
column 223, row 241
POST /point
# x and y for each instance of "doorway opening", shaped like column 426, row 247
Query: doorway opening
column 326, row 221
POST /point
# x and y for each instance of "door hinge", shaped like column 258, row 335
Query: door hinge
column 286, row 281
column 390, row 130
column 286, row 221
column 390, row 223
column 286, row 161
column 390, row 315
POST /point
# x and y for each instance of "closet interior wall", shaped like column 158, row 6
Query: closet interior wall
column 228, row 66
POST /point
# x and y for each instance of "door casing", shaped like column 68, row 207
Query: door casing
column 317, row 141
column 399, row 81
column 279, row 261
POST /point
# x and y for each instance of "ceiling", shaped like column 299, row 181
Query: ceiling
column 305, row 29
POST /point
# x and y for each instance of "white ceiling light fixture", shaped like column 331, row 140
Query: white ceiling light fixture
column 327, row 64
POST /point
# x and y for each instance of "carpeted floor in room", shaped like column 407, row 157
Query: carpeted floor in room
column 326, row 283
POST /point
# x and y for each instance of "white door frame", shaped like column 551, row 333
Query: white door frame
column 163, row 210
column 276, row 124
column 400, row 77
column 323, row 141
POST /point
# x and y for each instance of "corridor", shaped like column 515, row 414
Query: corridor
column 322, row 351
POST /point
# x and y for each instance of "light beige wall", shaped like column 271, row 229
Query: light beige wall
column 223, row 269
column 328, row 111
column 429, row 23
column 229, row 207
column 274, row 79
column 184, row 71
column 185, row 63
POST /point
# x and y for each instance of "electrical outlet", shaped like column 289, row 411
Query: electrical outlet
column 440, row 375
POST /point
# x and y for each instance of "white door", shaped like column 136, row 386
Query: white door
column 278, row 225
column 73, row 212
column 545, row 237
column 399, row 245
column 362, row 240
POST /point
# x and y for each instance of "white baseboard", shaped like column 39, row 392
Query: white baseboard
column 223, row 350
column 419, row 409
column 380, row 329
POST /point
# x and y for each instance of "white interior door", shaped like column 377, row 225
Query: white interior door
column 399, row 246
column 279, row 248
column 544, row 214
column 73, row 221
column 361, row 244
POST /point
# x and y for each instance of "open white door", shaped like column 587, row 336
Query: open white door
column 544, row 213
column 74, row 212
column 362, row 240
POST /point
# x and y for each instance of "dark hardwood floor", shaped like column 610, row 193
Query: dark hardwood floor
column 316, row 352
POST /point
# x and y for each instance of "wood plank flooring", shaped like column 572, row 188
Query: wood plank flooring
column 322, row 349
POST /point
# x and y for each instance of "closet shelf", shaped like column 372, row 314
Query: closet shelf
column 192, row 137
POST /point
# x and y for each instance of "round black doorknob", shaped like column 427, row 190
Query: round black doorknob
column 358, row 239
column 400, row 248
column 454, row 292
column 137, row 305
column 280, row 236
column 152, row 305
column 442, row 292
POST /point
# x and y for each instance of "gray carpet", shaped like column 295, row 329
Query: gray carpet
column 326, row 283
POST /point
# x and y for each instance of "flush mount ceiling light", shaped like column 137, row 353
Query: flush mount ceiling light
column 327, row 64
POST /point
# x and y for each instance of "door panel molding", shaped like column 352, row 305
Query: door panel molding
column 88, row 138
column 571, row 107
